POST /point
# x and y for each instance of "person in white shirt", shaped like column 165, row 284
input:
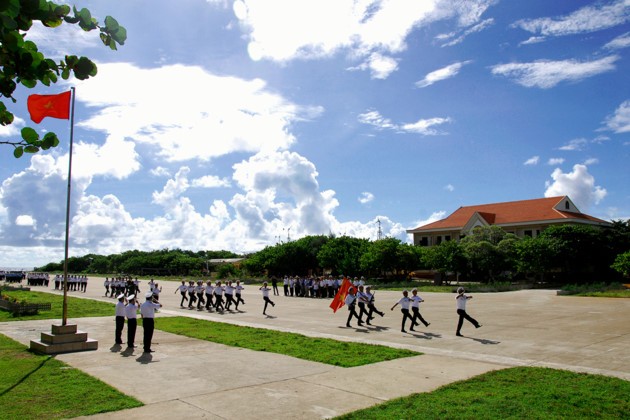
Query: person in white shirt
column 218, row 297
column 147, row 312
column 209, row 290
column 238, row 293
column 415, row 308
column 461, row 300
column 362, row 301
column 191, row 294
column 120, row 319
column 229, row 295
column 404, row 303
column 265, row 292
column 132, row 323
column 199, row 291
column 182, row 289
column 157, row 289
column 370, row 298
column 285, row 285
column 351, row 301
column 105, row 283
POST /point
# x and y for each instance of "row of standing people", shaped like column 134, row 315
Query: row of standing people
column 76, row 282
column 208, row 296
column 314, row 287
column 364, row 299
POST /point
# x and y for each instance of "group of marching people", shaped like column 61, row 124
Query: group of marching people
column 121, row 285
column 218, row 297
column 364, row 299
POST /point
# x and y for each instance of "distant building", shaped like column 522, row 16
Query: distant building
column 522, row 218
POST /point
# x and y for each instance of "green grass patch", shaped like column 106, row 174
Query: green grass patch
column 613, row 290
column 515, row 393
column 41, row 387
column 323, row 350
column 77, row 308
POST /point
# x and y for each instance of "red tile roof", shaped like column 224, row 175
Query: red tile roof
column 509, row 213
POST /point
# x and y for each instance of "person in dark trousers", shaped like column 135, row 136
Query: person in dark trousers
column 191, row 294
column 131, row 311
column 362, row 301
column 147, row 312
column 274, row 286
column 351, row 301
column 461, row 300
column 415, row 308
column 370, row 297
column 404, row 303
column 120, row 319
column 265, row 292
column 182, row 289
column 238, row 293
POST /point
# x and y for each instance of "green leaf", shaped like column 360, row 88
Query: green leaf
column 111, row 24
column 49, row 140
column 18, row 152
column 84, row 68
column 29, row 135
column 31, row 149
column 29, row 83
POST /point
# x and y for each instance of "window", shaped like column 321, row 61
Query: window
column 528, row 233
column 567, row 206
column 447, row 238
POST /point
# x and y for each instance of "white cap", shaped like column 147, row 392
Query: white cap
column 120, row 296
column 148, row 295
column 130, row 297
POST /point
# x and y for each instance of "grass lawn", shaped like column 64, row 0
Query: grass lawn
column 515, row 393
column 41, row 387
column 323, row 350
column 77, row 308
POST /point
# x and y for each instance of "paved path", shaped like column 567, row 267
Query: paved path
column 187, row 377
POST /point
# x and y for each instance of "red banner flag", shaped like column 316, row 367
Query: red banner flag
column 340, row 298
column 55, row 106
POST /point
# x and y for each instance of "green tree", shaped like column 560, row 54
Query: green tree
column 444, row 258
column 622, row 264
column 22, row 62
column 342, row 255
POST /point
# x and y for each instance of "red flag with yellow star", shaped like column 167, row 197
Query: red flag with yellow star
column 340, row 298
column 54, row 106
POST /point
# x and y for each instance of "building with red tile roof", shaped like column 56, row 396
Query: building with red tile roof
column 522, row 218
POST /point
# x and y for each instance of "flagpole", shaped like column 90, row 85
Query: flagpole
column 65, row 259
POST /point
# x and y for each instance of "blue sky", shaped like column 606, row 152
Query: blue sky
column 236, row 124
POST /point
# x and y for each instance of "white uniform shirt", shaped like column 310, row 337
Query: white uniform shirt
column 131, row 311
column 209, row 289
column 120, row 308
column 238, row 289
column 415, row 301
column 265, row 291
column 229, row 290
column 404, row 302
column 147, row 309
column 461, row 301
column 350, row 299
column 183, row 288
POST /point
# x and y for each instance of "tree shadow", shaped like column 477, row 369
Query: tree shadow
column 25, row 377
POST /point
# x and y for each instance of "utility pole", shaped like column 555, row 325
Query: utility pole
column 379, row 234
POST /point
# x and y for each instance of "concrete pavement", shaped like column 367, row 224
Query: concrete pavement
column 189, row 377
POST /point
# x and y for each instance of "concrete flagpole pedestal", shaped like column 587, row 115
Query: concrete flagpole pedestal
column 63, row 339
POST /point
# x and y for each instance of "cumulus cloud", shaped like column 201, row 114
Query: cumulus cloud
column 546, row 74
column 619, row 121
column 237, row 115
column 370, row 32
column 532, row 160
column 578, row 184
column 441, row 74
column 586, row 19
column 425, row 127
column 366, row 197
column 210, row 181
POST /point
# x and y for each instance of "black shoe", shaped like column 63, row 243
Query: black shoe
column 411, row 329
column 427, row 324
column 348, row 325
column 459, row 335
column 368, row 322
column 149, row 351
column 403, row 330
column 360, row 323
column 478, row 326
column 131, row 347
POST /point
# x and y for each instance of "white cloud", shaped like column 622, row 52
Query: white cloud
column 532, row 160
column 574, row 145
column 441, row 74
column 13, row 129
column 458, row 37
column 546, row 74
column 555, row 161
column 434, row 217
column 422, row 126
column 24, row 220
column 210, row 181
column 533, row 40
column 622, row 41
column 619, row 122
column 578, row 184
column 160, row 171
column 587, row 19
column 370, row 31
column 225, row 115
column 591, row 161
column 366, row 197
column 449, row 187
